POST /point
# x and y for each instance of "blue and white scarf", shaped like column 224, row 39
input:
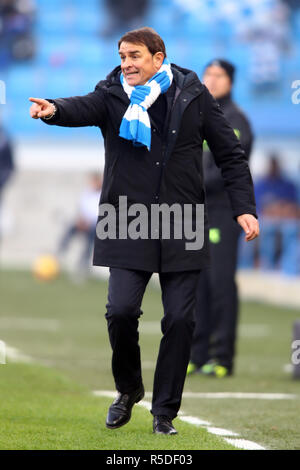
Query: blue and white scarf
column 135, row 124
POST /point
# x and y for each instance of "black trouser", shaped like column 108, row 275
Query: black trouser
column 216, row 309
column 125, row 293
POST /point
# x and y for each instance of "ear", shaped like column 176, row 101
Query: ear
column 158, row 59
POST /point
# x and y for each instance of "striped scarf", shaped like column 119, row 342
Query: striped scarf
column 135, row 124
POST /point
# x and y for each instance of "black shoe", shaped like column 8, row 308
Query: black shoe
column 163, row 425
column 119, row 412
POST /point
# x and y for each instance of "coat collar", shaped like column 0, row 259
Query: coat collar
column 186, row 81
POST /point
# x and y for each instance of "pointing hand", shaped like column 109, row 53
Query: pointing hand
column 40, row 108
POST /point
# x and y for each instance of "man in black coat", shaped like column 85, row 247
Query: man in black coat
column 216, row 308
column 6, row 161
column 169, row 171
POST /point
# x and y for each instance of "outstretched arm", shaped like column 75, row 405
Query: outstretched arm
column 76, row 111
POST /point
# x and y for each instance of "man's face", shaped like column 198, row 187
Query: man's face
column 138, row 64
column 217, row 81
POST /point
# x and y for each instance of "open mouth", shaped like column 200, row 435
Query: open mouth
column 131, row 74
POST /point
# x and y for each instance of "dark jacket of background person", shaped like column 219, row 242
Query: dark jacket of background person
column 6, row 160
column 171, row 172
column 216, row 194
column 216, row 311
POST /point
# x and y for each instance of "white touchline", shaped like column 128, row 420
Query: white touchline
column 15, row 355
column 242, row 395
column 34, row 324
column 195, row 420
column 244, row 444
column 238, row 443
column 246, row 330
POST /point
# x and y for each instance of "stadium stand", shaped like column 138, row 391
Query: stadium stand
column 71, row 56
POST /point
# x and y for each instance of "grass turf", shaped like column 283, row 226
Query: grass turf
column 42, row 409
column 76, row 344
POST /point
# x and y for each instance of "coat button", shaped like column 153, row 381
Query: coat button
column 157, row 163
column 184, row 99
column 156, row 197
column 173, row 131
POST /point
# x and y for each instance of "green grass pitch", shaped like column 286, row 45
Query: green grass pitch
column 49, row 404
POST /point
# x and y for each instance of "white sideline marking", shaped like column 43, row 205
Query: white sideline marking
column 149, row 327
column 242, row 395
column 239, row 443
column 220, row 395
column 220, row 431
column 105, row 393
column 150, row 365
column 253, row 330
column 246, row 330
column 16, row 355
column 36, row 324
column 196, row 421
column 145, row 404
column 244, row 444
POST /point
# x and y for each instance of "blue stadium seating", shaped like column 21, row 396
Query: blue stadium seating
column 72, row 56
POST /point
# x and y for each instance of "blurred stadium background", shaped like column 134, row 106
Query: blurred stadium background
column 61, row 48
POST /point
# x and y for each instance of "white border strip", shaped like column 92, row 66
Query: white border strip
column 223, row 395
column 15, row 355
column 244, row 444
column 238, row 443
column 242, row 395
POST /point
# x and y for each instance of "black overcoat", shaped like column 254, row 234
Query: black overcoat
column 171, row 172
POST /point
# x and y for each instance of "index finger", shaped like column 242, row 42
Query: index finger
column 37, row 100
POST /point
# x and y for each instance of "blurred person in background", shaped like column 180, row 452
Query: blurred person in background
column 124, row 15
column 6, row 163
column 154, row 116
column 293, row 4
column 85, row 222
column 216, row 310
column 16, row 31
column 278, row 206
column 269, row 39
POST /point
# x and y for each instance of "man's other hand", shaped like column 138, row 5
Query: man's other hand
column 250, row 226
column 40, row 108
